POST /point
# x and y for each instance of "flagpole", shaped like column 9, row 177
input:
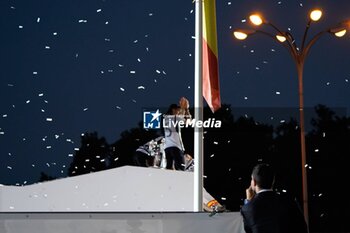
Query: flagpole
column 198, row 112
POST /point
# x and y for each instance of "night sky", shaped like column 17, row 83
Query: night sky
column 70, row 67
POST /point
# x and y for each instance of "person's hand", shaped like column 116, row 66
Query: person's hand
column 184, row 104
column 249, row 193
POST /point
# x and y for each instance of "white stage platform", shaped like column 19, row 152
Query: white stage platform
column 121, row 189
column 125, row 199
column 120, row 223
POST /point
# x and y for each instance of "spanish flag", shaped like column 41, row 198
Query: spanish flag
column 211, row 88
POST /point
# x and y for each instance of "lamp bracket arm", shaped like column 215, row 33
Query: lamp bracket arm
column 305, row 34
column 288, row 46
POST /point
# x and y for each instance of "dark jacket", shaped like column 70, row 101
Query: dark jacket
column 269, row 212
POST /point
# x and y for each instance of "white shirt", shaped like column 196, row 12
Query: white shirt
column 172, row 131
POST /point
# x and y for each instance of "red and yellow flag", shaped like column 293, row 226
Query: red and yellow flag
column 211, row 88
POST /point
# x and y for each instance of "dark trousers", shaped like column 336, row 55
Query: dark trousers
column 176, row 156
column 142, row 159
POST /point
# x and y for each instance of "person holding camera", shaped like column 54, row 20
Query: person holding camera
column 266, row 211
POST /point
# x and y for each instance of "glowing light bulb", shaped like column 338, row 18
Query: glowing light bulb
column 240, row 35
column 315, row 15
column 281, row 38
column 256, row 19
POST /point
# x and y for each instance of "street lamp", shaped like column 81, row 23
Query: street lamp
column 299, row 55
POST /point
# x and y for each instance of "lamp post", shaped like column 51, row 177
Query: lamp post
column 299, row 55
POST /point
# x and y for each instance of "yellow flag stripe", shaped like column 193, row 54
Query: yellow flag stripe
column 209, row 25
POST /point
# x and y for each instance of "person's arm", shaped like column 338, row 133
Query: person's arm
column 184, row 105
column 249, row 192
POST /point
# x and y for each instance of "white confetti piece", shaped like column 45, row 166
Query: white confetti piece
column 28, row 101
column 20, row 26
column 150, row 14
column 132, row 72
column 122, row 89
column 55, row 33
column 85, row 109
column 41, row 94
column 47, row 47
column 4, row 115
column 49, row 119
column 278, row 93
column 38, row 20
column 141, row 87
column 98, row 10
column 223, row 198
column 9, row 167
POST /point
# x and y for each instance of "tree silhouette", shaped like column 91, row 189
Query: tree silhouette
column 45, row 177
column 329, row 151
column 93, row 155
